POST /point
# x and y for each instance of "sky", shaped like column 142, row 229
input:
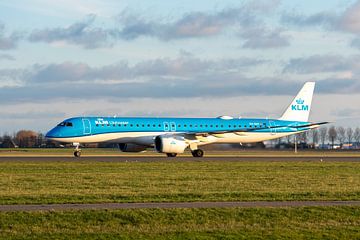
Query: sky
column 243, row 58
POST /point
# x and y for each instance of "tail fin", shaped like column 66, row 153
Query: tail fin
column 299, row 109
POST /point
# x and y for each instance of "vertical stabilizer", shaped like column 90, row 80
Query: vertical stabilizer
column 299, row 108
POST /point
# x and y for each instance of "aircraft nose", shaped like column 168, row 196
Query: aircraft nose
column 51, row 134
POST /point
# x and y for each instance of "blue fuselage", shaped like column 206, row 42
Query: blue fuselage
column 91, row 126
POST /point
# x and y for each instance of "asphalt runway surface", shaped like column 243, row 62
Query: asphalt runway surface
column 161, row 158
column 164, row 205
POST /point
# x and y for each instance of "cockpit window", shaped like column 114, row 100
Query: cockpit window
column 65, row 124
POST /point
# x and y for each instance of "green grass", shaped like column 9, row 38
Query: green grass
column 235, row 223
column 26, row 182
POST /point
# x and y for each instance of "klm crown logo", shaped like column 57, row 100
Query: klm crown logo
column 300, row 106
column 300, row 101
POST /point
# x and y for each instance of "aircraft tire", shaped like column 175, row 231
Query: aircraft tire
column 77, row 154
column 197, row 153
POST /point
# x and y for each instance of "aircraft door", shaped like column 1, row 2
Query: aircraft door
column 87, row 126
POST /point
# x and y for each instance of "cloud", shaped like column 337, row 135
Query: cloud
column 7, row 57
column 260, row 38
column 345, row 21
column 350, row 19
column 324, row 19
column 321, row 63
column 81, row 33
column 178, row 68
column 34, row 115
column 245, row 19
column 8, row 42
column 191, row 25
column 343, row 67
column 158, row 78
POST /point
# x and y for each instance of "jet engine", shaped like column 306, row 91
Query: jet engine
column 170, row 144
column 130, row 147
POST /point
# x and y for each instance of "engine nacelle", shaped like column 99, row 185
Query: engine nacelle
column 130, row 147
column 170, row 144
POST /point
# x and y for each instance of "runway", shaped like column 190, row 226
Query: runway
column 167, row 205
column 181, row 158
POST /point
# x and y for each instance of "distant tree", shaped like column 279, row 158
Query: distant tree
column 323, row 134
column 303, row 137
column 357, row 135
column 40, row 140
column 349, row 134
column 26, row 138
column 332, row 134
column 341, row 134
column 288, row 139
column 8, row 142
column 314, row 135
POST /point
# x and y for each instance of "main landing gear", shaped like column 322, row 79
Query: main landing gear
column 197, row 153
column 77, row 151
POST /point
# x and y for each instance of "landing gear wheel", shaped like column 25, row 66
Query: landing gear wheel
column 171, row 154
column 197, row 153
column 77, row 153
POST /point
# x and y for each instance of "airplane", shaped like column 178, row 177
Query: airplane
column 173, row 135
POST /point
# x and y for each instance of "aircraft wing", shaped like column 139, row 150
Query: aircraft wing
column 242, row 130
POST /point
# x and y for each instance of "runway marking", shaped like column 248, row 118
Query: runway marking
column 166, row 205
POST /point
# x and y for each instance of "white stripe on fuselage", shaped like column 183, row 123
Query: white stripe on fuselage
column 147, row 138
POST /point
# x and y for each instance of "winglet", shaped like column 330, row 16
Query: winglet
column 299, row 109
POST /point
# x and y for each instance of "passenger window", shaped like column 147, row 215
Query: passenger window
column 137, row 125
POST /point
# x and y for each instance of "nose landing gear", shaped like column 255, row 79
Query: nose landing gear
column 77, row 151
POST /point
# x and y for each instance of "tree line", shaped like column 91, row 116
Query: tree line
column 327, row 136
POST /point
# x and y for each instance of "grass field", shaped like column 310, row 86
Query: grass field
column 173, row 180
column 236, row 223
column 86, row 181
